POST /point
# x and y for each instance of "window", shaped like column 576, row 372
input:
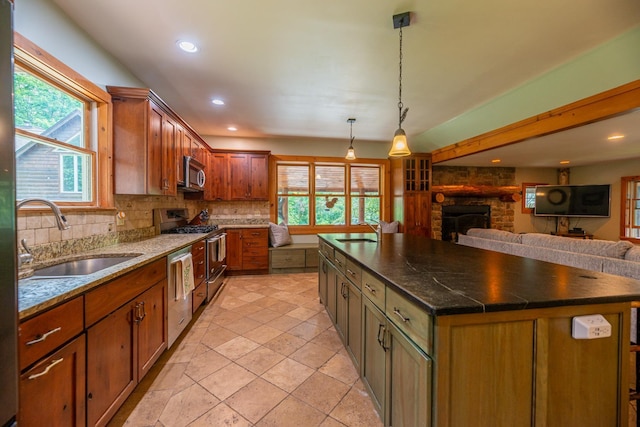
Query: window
column 328, row 194
column 529, row 197
column 630, row 208
column 62, row 126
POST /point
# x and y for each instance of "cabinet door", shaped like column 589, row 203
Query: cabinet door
column 239, row 176
column 154, row 151
column 169, row 182
column 354, row 325
column 373, row 353
column 409, row 382
column 342, row 306
column 149, row 315
column 323, row 274
column 332, row 294
column 52, row 392
column 417, row 216
column 259, row 183
column 111, row 375
column 234, row 250
column 217, row 177
column 178, row 158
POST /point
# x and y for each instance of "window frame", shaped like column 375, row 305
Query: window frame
column 33, row 59
column 624, row 224
column 523, row 206
column 385, row 203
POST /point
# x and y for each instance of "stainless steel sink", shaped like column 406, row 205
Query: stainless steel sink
column 80, row 267
column 355, row 240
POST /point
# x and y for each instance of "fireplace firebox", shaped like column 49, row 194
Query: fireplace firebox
column 457, row 219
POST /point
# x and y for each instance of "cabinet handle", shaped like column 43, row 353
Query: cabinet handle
column 344, row 291
column 324, row 267
column 141, row 312
column 46, row 370
column 44, row 336
column 381, row 334
column 338, row 262
column 400, row 315
column 353, row 274
column 369, row 288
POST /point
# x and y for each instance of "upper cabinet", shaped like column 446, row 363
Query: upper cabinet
column 411, row 185
column 238, row 175
column 150, row 141
column 248, row 176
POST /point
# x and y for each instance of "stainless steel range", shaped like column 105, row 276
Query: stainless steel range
column 176, row 221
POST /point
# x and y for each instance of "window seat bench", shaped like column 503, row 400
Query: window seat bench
column 294, row 258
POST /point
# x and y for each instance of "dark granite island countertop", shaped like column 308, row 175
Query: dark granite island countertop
column 446, row 278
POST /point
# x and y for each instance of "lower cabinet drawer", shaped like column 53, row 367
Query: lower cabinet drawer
column 287, row 258
column 199, row 294
column 373, row 289
column 410, row 319
column 41, row 334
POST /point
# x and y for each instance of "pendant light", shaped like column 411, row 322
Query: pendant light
column 351, row 154
column 399, row 146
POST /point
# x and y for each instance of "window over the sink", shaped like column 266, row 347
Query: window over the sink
column 62, row 126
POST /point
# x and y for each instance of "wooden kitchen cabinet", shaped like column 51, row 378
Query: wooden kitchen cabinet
column 199, row 273
column 373, row 353
column 411, row 191
column 248, row 176
column 248, row 251
column 216, row 187
column 127, row 335
column 150, row 141
column 52, row 392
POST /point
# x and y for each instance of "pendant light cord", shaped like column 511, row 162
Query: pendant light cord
column 401, row 115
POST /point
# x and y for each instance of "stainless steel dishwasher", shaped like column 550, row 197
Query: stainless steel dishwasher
column 179, row 312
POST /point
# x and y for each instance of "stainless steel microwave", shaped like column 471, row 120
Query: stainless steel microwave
column 194, row 175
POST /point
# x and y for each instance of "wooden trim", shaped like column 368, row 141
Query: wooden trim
column 588, row 110
column 624, row 182
column 31, row 57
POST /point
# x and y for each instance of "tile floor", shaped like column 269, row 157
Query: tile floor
column 265, row 353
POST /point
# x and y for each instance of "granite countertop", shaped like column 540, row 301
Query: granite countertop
column 36, row 295
column 446, row 278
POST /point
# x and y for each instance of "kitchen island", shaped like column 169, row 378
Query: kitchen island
column 446, row 335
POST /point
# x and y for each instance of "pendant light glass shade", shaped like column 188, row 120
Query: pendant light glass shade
column 399, row 146
column 351, row 153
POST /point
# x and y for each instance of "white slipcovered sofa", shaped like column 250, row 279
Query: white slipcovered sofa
column 621, row 258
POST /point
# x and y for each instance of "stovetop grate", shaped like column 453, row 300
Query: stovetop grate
column 188, row 229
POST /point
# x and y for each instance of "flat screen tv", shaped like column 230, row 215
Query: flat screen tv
column 573, row 200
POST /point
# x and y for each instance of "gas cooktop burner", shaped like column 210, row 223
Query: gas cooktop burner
column 187, row 229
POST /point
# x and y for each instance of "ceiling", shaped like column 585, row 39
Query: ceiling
column 290, row 68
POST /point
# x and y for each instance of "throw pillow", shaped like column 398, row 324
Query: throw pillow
column 389, row 227
column 279, row 235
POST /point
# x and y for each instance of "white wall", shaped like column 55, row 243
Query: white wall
column 528, row 223
column 604, row 173
column 303, row 146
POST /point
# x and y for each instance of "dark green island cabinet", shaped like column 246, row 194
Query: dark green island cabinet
column 445, row 335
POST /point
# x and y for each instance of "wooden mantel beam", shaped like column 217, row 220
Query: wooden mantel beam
column 588, row 110
column 506, row 193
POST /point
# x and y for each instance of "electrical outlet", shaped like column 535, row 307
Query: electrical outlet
column 120, row 216
column 590, row 327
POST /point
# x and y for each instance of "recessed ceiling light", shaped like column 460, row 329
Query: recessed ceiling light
column 616, row 136
column 217, row 101
column 187, row 46
column 232, row 128
column 496, row 161
column 564, row 162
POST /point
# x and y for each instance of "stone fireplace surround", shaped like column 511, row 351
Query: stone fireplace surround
column 501, row 214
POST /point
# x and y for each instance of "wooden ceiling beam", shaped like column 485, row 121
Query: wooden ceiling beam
column 619, row 100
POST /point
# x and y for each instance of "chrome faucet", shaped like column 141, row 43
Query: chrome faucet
column 376, row 230
column 61, row 221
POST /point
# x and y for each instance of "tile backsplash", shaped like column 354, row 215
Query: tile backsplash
column 95, row 229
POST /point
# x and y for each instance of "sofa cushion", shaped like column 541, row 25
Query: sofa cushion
column 603, row 248
column 389, row 227
column 493, row 234
column 633, row 254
